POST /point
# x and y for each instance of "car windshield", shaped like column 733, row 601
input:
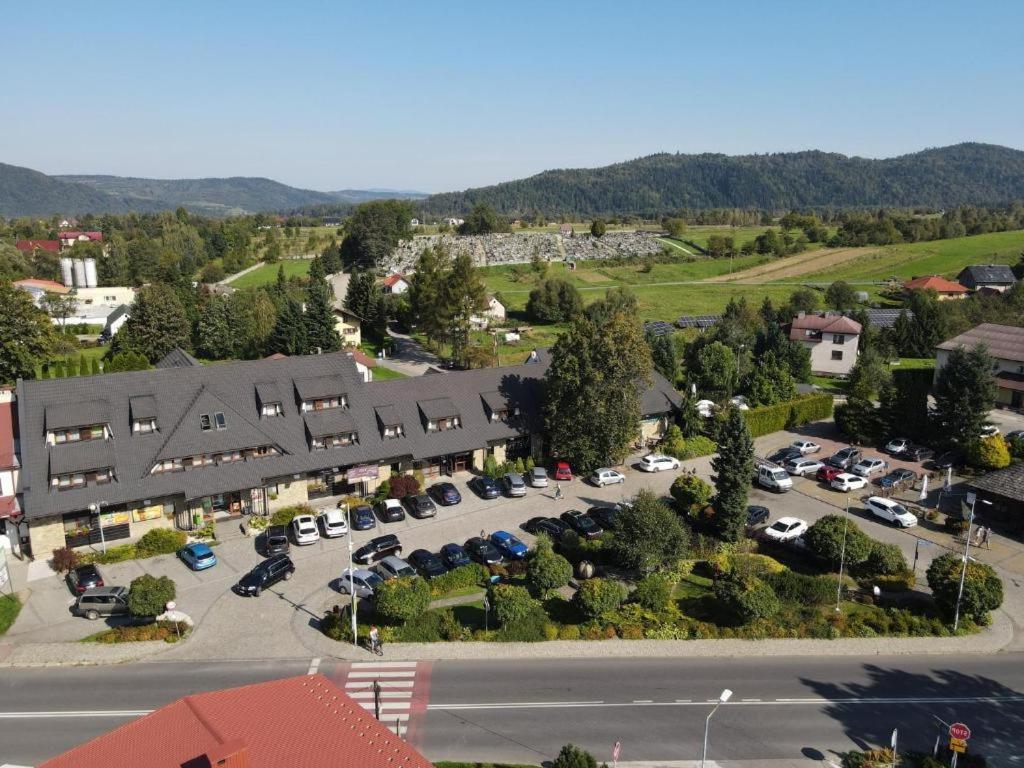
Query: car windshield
column 780, row 526
column 372, row 580
column 899, row 509
column 585, row 522
column 276, row 538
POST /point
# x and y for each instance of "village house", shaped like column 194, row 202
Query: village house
column 494, row 313
column 70, row 237
column 1005, row 344
column 30, row 246
column 992, row 277
column 349, row 326
column 946, row 289
column 832, row 339
column 395, row 284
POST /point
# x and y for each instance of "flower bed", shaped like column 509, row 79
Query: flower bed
column 134, row 633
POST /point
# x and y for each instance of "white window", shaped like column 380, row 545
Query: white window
column 838, row 338
column 395, row 431
column 144, row 426
column 273, row 409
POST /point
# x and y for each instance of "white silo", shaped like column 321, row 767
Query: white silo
column 90, row 273
column 79, row 273
column 66, row 275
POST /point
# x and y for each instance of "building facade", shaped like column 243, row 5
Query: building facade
column 1005, row 343
column 995, row 277
column 832, row 340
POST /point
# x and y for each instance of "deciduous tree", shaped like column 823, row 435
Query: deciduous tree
column 156, row 324
column 648, row 534
column 27, row 338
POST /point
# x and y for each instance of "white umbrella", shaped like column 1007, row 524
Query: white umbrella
column 949, row 479
column 924, row 489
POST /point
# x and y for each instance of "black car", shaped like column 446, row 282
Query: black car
column 898, row 477
column 784, row 455
column 582, row 523
column 362, row 518
column 446, row 494
column 551, row 526
column 485, row 487
column 83, row 577
column 275, row 540
column 949, row 459
column 482, row 551
column 420, row 505
column 757, row 515
column 454, row 556
column 390, row 511
column 917, row 453
column 604, row 516
column 427, row 564
column 266, row 574
column 378, row 548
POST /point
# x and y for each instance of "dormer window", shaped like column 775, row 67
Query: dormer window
column 272, row 409
column 220, row 421
column 77, row 434
column 144, row 426
column 439, row 414
column 334, row 441
column 325, row 403
column 394, row 431
column 440, row 425
column 322, row 393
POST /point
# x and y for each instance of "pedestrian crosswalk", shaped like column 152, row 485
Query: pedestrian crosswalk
column 401, row 692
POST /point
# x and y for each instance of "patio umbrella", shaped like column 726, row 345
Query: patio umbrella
column 924, row 489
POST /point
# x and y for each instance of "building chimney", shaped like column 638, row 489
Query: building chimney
column 230, row 754
column 801, row 314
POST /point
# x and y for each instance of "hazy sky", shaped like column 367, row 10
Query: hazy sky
column 438, row 96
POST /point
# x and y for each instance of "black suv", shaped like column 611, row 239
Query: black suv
column 275, row 540
column 266, row 574
column 582, row 523
column 757, row 515
column 378, row 548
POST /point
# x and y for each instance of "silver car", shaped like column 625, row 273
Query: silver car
column 538, row 477
column 392, row 567
column 514, row 484
column 361, row 581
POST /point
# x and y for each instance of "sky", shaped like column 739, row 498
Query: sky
column 439, row 96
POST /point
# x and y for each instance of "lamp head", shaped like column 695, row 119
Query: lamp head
column 726, row 695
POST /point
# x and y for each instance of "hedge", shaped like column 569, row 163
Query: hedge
column 792, row 413
column 794, row 587
column 399, row 600
column 470, row 575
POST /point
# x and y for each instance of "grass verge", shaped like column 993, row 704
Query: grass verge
column 10, row 607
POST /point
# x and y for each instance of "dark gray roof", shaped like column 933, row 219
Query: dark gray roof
column 495, row 401
column 988, row 274
column 76, row 414
column 82, row 456
column 142, row 407
column 268, row 392
column 319, row 387
column 661, row 397
column 334, row 421
column 1003, row 342
column 388, row 415
column 1007, row 482
column 177, row 358
column 438, row 408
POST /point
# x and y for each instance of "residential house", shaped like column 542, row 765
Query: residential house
column 994, row 277
column 395, row 283
column 29, row 246
column 39, row 288
column 832, row 340
column 183, row 444
column 10, row 511
column 414, row 222
column 494, row 313
column 1004, row 492
column 68, row 223
column 306, row 721
column 349, row 327
column 70, row 237
column 113, row 295
column 946, row 289
column 453, row 222
column 115, row 320
column 1005, row 343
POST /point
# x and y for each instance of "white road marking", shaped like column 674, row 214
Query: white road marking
column 384, row 664
column 357, row 695
column 367, row 685
column 314, row 665
column 643, row 701
column 370, row 674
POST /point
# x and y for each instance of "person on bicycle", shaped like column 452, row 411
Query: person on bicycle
column 374, row 639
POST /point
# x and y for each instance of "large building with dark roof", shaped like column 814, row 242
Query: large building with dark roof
column 1005, row 343
column 184, row 444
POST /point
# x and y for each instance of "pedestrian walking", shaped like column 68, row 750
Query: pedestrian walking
column 985, row 533
column 558, row 491
column 483, row 534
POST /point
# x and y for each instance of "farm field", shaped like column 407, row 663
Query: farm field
column 267, row 274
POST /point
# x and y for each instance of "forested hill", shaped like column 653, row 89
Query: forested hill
column 24, row 192
column 659, row 184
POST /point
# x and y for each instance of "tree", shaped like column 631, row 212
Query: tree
column 374, row 230
column 539, row 265
column 511, row 604
column 733, row 466
column 319, row 315
column 648, row 534
column 598, row 596
column 714, row 371
column 869, row 376
column 289, row 334
column 859, row 420
column 593, row 388
column 825, row 539
column 156, row 324
column 983, row 589
column 463, row 295
column 400, row 600
column 598, row 228
column 215, row 337
column 840, row 295
column 663, row 355
column 545, row 569
column 927, row 325
column 572, row 756
column 426, row 291
column 126, row 361
column 253, row 316
column 616, row 301
column 361, row 293
column 902, row 334
column 804, row 300
column 676, row 227
column 555, row 300
column 965, row 391
column 59, row 306
column 989, row 453
column 483, row 220
column 746, row 598
column 28, row 336
column 148, row 595
column 94, row 367
column 770, row 382
column 690, row 492
column 653, row 592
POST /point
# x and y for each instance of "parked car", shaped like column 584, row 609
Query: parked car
column 784, row 455
column 378, row 548
column 363, row 518
column 606, row 476
column 266, row 574
column 757, row 515
column 870, row 466
column 446, row 494
column 454, row 556
column 802, row 467
column 806, row 447
column 332, row 523
column 420, row 505
column 83, row 577
column 989, row 430
column 1015, row 434
column 427, row 564
column 393, row 567
column 102, row 601
column 582, row 523
column 514, row 484
column 551, row 526
column 198, row 556
column 304, row 530
column 891, row 511
column 844, row 481
column 509, row 545
column 537, row 477
column 362, row 581
column 485, row 487
column 897, row 446
column 390, row 511
column 604, row 516
column 898, row 477
column 828, row 473
column 275, row 540
column 785, row 529
column 658, row 462
column 482, row 551
column 773, row 478
column 563, row 471
column 949, row 459
column 917, row 453
column 845, row 458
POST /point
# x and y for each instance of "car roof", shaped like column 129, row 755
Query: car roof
column 501, row 534
column 882, row 501
column 422, row 553
column 395, row 561
column 845, row 475
column 387, row 538
column 392, row 503
column 303, row 519
column 276, row 529
column 451, row 546
column 87, row 568
column 332, row 513
column 198, row 546
column 788, row 520
column 362, row 573
column 104, row 591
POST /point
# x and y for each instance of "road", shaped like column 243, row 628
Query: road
column 524, row 711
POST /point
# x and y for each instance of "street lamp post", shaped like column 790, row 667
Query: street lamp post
column 724, row 697
column 842, row 554
column 351, row 578
column 973, row 498
column 97, row 507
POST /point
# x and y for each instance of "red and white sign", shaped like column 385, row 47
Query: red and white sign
column 616, row 751
column 959, row 731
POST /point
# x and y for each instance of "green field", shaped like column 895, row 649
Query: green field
column 89, row 353
column 380, row 373
column 267, row 274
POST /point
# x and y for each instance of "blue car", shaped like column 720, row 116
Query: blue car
column 485, row 487
column 509, row 545
column 363, row 518
column 454, row 556
column 197, row 556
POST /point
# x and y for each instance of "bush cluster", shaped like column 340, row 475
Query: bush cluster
column 746, row 598
column 285, row 515
column 792, row 413
column 160, row 541
column 470, row 575
column 792, row 587
column 399, row 600
column 825, row 540
column 148, row 595
column 653, row 592
column 883, row 560
column 989, row 453
column 983, row 589
column 596, row 596
column 134, row 633
column 400, row 486
column 689, row 492
column 545, row 569
column 511, row 604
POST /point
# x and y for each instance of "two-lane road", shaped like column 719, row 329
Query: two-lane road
column 525, row 710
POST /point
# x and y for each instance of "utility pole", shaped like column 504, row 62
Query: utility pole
column 97, row 508
column 351, row 579
column 973, row 499
column 376, row 699
column 842, row 554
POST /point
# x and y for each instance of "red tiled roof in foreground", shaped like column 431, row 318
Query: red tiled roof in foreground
column 826, row 323
column 299, row 722
column 361, row 357
column 391, row 279
column 43, row 245
column 934, row 283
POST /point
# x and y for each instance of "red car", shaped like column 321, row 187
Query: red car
column 563, row 471
column 828, row 473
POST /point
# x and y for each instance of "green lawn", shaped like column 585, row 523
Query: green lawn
column 914, row 362
column 380, row 373
column 267, row 274
column 9, row 608
column 89, row 353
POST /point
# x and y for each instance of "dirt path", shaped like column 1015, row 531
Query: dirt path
column 791, row 266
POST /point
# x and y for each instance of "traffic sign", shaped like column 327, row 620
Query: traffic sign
column 616, row 751
column 957, row 745
column 959, row 731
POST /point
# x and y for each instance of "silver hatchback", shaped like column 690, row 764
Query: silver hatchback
column 102, row 601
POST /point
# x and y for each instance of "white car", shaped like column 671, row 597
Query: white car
column 989, row 430
column 891, row 511
column 806, row 446
column 304, row 529
column 870, row 465
column 803, row 467
column 740, row 402
column 785, row 529
column 844, row 481
column 362, row 581
column 658, row 462
column 897, row 445
column 706, row 408
column 605, row 476
column 333, row 523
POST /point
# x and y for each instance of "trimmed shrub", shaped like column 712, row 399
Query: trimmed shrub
column 459, row 578
column 791, row 413
column 983, row 589
column 894, row 582
column 546, row 570
column 746, row 598
column 825, row 539
column 653, row 592
column 531, row 628
column 64, row 559
column 399, row 600
column 511, row 604
column 596, row 596
column 571, row 756
column 285, row 515
column 750, row 563
column 160, row 541
column 791, row 587
column 883, row 560
column 989, row 453
column 148, row 595
column 491, row 466
column 690, row 491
